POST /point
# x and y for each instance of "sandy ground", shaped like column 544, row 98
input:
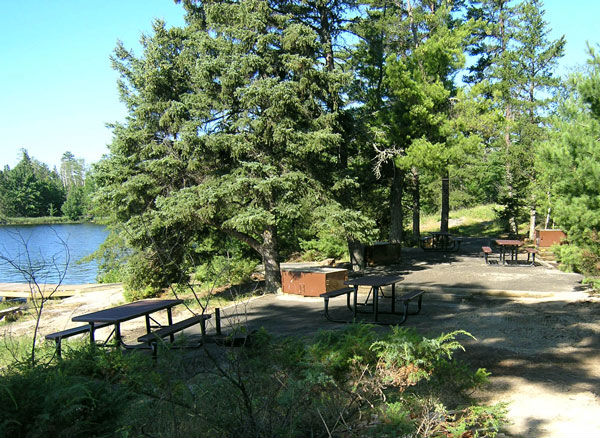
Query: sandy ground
column 542, row 350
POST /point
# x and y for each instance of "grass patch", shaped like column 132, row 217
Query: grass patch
column 474, row 221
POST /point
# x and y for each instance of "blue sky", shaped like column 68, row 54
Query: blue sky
column 58, row 89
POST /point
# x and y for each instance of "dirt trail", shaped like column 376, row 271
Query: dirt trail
column 544, row 358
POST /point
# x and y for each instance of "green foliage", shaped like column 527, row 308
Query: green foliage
column 324, row 245
column 333, row 227
column 229, row 132
column 47, row 402
column 478, row 421
column 569, row 170
column 72, row 171
column 406, row 355
column 74, row 206
column 395, row 420
column 223, row 270
column 569, row 257
column 270, row 387
column 337, row 351
column 140, row 292
column 30, row 189
column 111, row 256
column 516, row 66
column 42, row 220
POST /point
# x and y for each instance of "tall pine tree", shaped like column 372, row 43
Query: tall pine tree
column 516, row 61
column 228, row 132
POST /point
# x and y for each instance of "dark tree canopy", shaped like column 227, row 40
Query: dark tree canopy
column 30, row 189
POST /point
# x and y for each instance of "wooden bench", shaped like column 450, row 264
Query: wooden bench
column 152, row 338
column 59, row 336
column 11, row 311
column 487, row 251
column 531, row 252
column 336, row 293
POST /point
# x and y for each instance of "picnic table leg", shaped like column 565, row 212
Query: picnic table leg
column 118, row 338
column 148, row 328
column 375, row 301
column 393, row 297
column 170, row 320
column 355, row 300
column 58, row 348
column 348, row 302
column 405, row 311
column 92, row 338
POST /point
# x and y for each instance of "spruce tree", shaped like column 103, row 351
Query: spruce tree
column 228, row 132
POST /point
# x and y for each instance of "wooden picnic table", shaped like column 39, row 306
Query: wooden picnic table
column 508, row 245
column 117, row 315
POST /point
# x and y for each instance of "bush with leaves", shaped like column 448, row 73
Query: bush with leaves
column 44, row 401
column 349, row 382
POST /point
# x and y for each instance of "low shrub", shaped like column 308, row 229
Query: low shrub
column 349, row 382
column 42, row 401
column 569, row 257
column 222, row 270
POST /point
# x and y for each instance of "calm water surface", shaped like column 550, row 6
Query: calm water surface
column 40, row 249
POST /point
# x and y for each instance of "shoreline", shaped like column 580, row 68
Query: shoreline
column 22, row 290
column 48, row 220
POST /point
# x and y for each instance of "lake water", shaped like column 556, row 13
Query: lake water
column 40, row 249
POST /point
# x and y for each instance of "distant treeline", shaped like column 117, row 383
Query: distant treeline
column 32, row 190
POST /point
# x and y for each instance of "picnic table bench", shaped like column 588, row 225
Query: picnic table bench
column 336, row 293
column 116, row 315
column 405, row 299
column 487, row 251
column 531, row 252
column 57, row 337
column 154, row 337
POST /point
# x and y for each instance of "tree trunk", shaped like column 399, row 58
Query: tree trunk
column 271, row 260
column 396, row 213
column 532, row 221
column 445, row 203
column 548, row 213
column 508, row 115
column 357, row 254
column 416, row 205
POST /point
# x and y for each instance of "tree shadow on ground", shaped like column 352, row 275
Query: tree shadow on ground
column 553, row 345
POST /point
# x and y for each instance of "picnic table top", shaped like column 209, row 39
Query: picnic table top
column 374, row 280
column 127, row 311
column 509, row 242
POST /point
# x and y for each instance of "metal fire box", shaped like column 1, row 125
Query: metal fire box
column 312, row 281
column 383, row 253
column 547, row 238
